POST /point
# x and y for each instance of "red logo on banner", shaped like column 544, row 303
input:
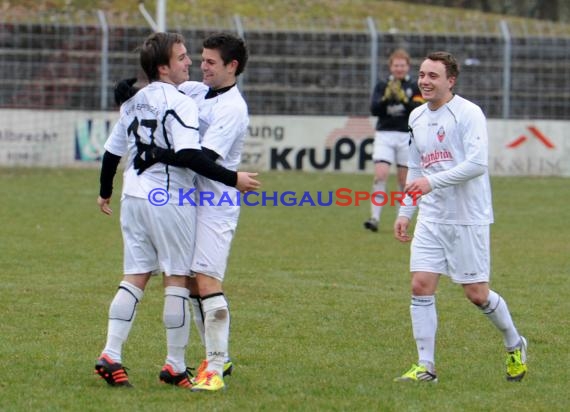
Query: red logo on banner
column 537, row 134
column 357, row 128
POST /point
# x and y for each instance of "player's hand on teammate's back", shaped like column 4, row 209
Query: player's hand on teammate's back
column 246, row 182
column 124, row 90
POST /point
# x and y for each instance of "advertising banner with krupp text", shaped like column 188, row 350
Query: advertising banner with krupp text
column 301, row 143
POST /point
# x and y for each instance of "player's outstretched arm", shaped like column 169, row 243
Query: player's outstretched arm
column 196, row 160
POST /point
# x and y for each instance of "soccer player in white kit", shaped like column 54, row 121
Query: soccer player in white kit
column 448, row 165
column 223, row 126
column 224, row 120
column 157, row 236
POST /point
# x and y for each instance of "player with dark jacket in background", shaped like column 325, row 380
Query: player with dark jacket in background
column 392, row 102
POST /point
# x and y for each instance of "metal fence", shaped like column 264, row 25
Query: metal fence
column 72, row 62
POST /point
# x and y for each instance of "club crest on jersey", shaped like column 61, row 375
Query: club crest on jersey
column 440, row 134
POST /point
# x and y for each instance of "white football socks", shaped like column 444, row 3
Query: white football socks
column 424, row 326
column 122, row 313
column 198, row 315
column 176, row 317
column 217, row 329
column 497, row 311
column 379, row 198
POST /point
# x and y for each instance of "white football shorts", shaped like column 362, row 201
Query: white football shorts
column 157, row 238
column 213, row 242
column 458, row 251
column 391, row 147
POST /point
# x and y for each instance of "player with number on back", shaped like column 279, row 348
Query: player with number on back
column 157, row 239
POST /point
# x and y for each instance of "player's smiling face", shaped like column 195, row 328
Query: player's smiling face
column 215, row 74
column 434, row 83
column 177, row 70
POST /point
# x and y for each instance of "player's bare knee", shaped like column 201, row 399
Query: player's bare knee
column 477, row 299
column 477, row 293
column 424, row 283
column 420, row 288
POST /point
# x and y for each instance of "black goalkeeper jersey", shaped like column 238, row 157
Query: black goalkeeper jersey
column 392, row 114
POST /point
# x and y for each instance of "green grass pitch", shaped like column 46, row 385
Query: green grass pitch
column 320, row 307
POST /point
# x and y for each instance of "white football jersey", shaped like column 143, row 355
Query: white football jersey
column 441, row 140
column 158, row 113
column 223, row 127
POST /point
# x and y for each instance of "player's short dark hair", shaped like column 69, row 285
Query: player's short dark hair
column 231, row 47
column 448, row 60
column 156, row 51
